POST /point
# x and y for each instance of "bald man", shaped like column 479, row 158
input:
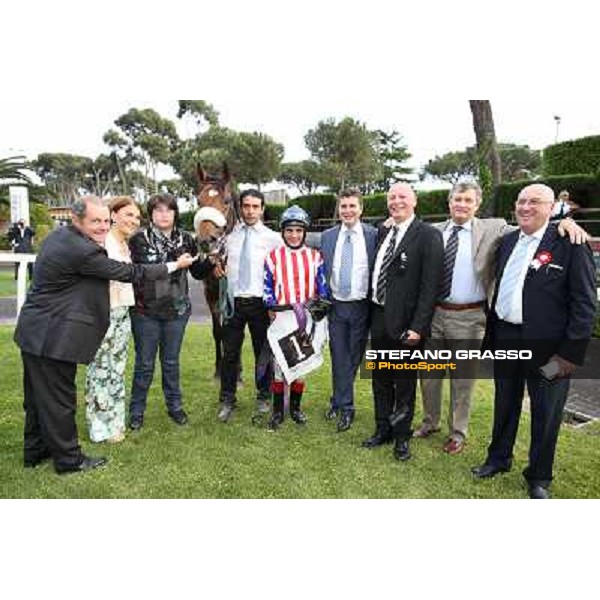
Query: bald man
column 406, row 275
column 545, row 301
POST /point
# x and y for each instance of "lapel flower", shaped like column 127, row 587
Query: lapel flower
column 543, row 258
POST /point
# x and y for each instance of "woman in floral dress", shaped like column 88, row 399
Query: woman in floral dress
column 105, row 381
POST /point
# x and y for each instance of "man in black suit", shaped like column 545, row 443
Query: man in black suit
column 62, row 324
column 21, row 237
column 545, row 302
column 405, row 282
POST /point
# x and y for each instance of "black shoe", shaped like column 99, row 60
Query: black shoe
column 298, row 417
column 486, row 471
column 275, row 421
column 136, row 422
column 33, row 462
column 401, row 450
column 87, row 464
column 345, row 422
column 179, row 417
column 331, row 414
column 378, row 439
column 538, row 492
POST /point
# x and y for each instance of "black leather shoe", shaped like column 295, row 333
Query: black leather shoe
column 179, row 417
column 136, row 422
column 87, row 464
column 298, row 417
column 345, row 422
column 537, row 492
column 33, row 462
column 331, row 414
column 379, row 438
column 486, row 471
column 402, row 450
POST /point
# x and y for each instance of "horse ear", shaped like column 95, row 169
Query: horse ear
column 202, row 176
column 226, row 173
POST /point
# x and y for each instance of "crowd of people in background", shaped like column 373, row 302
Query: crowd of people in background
column 405, row 284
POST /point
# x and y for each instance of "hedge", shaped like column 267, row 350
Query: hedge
column 574, row 156
column 584, row 190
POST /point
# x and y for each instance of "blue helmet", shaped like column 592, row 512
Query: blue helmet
column 294, row 215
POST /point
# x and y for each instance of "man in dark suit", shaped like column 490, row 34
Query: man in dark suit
column 545, row 301
column 405, row 282
column 62, row 324
column 348, row 253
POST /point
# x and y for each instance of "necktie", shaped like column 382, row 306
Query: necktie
column 345, row 280
column 245, row 268
column 511, row 275
column 387, row 259
column 449, row 261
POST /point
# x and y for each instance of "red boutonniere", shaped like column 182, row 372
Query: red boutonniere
column 543, row 258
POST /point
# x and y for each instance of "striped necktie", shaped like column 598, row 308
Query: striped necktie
column 511, row 275
column 345, row 280
column 449, row 261
column 387, row 259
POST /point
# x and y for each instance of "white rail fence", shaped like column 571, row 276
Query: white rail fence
column 23, row 260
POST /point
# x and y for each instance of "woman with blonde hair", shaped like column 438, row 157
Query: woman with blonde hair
column 105, row 380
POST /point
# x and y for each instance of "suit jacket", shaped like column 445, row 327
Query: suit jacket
column 486, row 237
column 329, row 241
column 559, row 304
column 67, row 310
column 413, row 279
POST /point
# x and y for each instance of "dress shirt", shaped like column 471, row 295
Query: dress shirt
column 402, row 228
column 515, row 314
column 359, row 283
column 262, row 240
column 466, row 286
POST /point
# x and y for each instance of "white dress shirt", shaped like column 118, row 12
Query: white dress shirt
column 262, row 240
column 402, row 227
column 514, row 312
column 359, row 282
column 466, row 286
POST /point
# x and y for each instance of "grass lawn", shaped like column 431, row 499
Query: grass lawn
column 8, row 285
column 209, row 460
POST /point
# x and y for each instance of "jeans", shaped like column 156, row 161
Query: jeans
column 151, row 334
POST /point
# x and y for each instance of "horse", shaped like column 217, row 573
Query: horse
column 215, row 194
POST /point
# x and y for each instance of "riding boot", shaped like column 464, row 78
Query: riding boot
column 295, row 413
column 277, row 415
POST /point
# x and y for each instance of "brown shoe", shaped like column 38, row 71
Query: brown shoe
column 454, row 446
column 425, row 431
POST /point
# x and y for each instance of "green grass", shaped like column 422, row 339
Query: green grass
column 209, row 460
column 8, row 285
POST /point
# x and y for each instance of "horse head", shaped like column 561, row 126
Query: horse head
column 218, row 212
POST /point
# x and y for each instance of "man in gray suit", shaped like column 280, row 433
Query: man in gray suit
column 467, row 283
column 348, row 253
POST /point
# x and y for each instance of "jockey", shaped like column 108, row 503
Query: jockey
column 294, row 277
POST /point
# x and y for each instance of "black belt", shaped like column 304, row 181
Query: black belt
column 247, row 299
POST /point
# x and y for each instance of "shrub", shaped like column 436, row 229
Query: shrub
column 574, row 156
column 273, row 212
column 318, row 206
column 584, row 190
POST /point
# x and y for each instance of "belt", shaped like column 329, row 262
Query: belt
column 469, row 306
column 247, row 299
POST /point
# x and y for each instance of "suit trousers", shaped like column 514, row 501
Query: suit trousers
column 466, row 328
column 547, row 402
column 348, row 330
column 392, row 394
column 50, row 405
column 251, row 312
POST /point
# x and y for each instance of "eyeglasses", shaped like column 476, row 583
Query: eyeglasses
column 532, row 202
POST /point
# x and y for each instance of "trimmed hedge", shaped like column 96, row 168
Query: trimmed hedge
column 318, row 206
column 574, row 156
column 584, row 190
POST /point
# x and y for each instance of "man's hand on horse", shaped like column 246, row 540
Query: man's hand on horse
column 186, row 260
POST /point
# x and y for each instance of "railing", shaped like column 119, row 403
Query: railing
column 23, row 260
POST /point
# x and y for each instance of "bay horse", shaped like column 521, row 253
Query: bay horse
column 215, row 193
